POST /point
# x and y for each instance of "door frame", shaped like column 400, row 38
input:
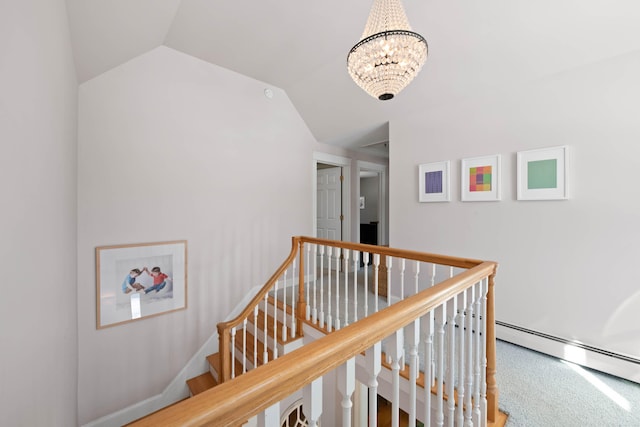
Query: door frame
column 345, row 164
column 383, row 202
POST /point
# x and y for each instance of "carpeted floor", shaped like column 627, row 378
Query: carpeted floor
column 540, row 390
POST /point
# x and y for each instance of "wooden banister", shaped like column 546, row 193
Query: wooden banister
column 399, row 253
column 233, row 402
column 224, row 328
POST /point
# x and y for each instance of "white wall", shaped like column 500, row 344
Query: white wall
column 38, row 111
column 566, row 267
column 171, row 147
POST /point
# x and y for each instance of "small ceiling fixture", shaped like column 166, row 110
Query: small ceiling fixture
column 389, row 55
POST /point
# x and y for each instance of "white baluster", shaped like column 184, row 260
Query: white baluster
column 395, row 350
column 265, row 354
column 244, row 346
column 270, row 416
column 373, row 358
column 275, row 325
column 312, row 401
column 365, row 260
column 416, row 271
column 471, row 350
column 346, row 287
column 389, row 265
column 356, row 267
column 294, row 289
column 433, row 274
column 233, row 352
column 315, row 280
column 440, row 314
column 346, row 385
column 451, row 360
column 402, row 267
column 484, row 288
column 376, row 269
column 322, row 286
column 329, row 317
column 336, row 321
column 460, row 321
column 428, row 366
column 310, row 279
column 255, row 337
column 478, row 339
column 413, row 340
column 284, row 307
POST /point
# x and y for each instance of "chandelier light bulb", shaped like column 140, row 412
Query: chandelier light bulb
column 389, row 54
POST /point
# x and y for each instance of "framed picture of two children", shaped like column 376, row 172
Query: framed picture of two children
column 137, row 281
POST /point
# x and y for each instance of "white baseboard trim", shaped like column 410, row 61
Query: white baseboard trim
column 619, row 365
column 177, row 388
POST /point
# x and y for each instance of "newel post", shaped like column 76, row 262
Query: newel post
column 492, row 387
column 302, row 305
column 225, row 354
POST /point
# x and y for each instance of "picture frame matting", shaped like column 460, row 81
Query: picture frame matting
column 137, row 281
column 434, row 182
column 542, row 174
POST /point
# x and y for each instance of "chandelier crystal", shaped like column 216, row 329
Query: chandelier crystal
column 389, row 55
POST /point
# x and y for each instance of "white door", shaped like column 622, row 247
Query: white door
column 329, row 203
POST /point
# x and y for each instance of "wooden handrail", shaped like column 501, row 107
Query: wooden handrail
column 233, row 402
column 224, row 328
column 399, row 253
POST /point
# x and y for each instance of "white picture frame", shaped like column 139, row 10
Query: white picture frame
column 480, row 179
column 542, row 174
column 434, row 182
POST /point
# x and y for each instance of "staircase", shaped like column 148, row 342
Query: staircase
column 253, row 345
column 372, row 321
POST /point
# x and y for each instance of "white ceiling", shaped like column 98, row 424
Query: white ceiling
column 301, row 47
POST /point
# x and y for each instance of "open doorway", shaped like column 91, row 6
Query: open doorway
column 373, row 204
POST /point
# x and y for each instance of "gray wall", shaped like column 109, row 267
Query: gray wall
column 38, row 110
column 171, row 147
column 567, row 268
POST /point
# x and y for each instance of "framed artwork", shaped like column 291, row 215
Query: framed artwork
column 140, row 280
column 542, row 174
column 361, row 202
column 433, row 182
column 480, row 179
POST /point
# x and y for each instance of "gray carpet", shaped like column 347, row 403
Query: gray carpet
column 540, row 390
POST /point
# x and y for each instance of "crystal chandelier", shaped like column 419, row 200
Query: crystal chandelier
column 389, row 55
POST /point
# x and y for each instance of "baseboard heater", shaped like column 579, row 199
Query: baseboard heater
column 618, row 364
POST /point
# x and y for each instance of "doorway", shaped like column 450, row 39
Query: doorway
column 373, row 203
column 329, row 202
column 331, row 163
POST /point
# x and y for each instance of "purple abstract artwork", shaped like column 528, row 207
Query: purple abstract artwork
column 433, row 182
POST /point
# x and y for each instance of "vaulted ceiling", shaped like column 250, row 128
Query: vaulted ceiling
column 301, row 47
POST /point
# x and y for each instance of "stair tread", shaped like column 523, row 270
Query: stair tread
column 214, row 362
column 250, row 348
column 279, row 327
column 201, row 383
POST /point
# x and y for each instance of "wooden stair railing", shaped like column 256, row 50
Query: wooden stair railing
column 233, row 402
column 225, row 328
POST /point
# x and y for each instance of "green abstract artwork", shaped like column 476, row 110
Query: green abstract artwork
column 542, row 174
